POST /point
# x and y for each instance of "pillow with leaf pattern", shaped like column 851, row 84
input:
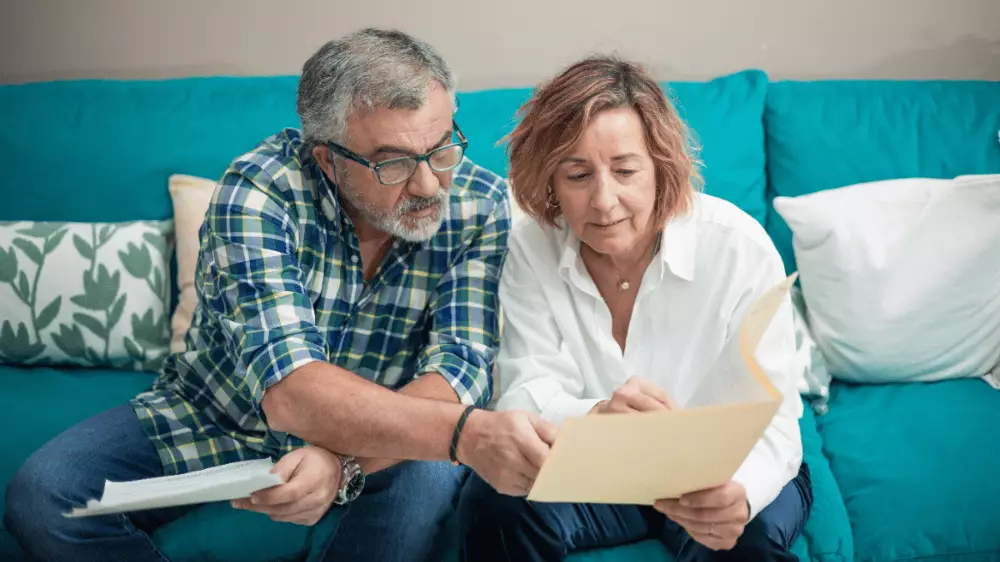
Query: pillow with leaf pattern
column 85, row 294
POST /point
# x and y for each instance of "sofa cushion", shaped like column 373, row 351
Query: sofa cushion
column 111, row 145
column 827, row 134
column 217, row 532
column 917, row 464
column 726, row 116
column 41, row 402
column 828, row 529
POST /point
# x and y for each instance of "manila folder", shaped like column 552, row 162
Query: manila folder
column 642, row 457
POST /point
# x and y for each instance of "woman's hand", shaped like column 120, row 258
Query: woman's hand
column 311, row 477
column 714, row 517
column 636, row 395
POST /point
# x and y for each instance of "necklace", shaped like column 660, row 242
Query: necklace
column 622, row 282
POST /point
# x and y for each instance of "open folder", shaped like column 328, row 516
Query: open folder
column 642, row 457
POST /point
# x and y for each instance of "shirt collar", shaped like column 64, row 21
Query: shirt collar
column 324, row 194
column 678, row 245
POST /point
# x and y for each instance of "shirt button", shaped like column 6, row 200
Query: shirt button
column 354, row 259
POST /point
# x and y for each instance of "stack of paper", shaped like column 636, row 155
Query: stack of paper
column 221, row 483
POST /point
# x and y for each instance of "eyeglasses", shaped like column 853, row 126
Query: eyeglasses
column 397, row 170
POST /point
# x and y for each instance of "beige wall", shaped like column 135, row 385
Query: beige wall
column 507, row 42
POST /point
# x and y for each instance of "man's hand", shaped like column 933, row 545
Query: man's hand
column 311, row 477
column 714, row 517
column 636, row 395
column 507, row 449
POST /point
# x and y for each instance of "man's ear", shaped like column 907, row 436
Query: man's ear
column 322, row 155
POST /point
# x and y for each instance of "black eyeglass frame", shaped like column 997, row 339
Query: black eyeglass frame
column 377, row 166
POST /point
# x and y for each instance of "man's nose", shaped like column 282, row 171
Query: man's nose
column 423, row 182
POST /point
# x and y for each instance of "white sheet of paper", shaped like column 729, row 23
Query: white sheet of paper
column 221, row 483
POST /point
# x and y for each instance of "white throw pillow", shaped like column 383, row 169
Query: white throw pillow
column 191, row 197
column 901, row 277
column 814, row 378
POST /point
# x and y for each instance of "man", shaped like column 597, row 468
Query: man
column 346, row 322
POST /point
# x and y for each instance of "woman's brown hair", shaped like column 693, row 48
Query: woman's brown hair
column 552, row 121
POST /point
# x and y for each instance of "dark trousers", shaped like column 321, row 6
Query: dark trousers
column 505, row 528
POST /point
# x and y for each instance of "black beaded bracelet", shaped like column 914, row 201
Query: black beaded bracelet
column 453, row 452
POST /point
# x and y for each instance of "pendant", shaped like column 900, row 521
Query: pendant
column 623, row 286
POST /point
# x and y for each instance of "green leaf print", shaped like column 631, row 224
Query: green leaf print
column 70, row 341
column 157, row 282
column 93, row 357
column 136, row 261
column 8, row 265
column 39, row 229
column 92, row 324
column 116, row 312
column 17, row 347
column 133, row 350
column 147, row 330
column 48, row 314
column 82, row 246
column 157, row 242
column 29, row 249
column 153, row 364
column 107, row 231
column 22, row 289
column 52, row 242
column 98, row 294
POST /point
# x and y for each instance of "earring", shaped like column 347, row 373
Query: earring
column 551, row 202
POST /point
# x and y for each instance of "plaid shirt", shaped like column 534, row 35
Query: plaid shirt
column 280, row 284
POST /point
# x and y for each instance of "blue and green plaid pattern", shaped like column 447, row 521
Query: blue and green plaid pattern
column 280, row 284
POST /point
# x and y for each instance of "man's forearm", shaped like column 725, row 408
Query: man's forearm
column 335, row 409
column 430, row 385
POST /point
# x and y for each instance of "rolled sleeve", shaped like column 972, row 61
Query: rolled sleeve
column 462, row 343
column 253, row 286
column 470, row 381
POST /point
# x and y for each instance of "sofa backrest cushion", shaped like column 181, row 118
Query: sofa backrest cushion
column 97, row 150
column 103, row 150
column 827, row 134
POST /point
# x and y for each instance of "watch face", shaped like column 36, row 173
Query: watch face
column 355, row 485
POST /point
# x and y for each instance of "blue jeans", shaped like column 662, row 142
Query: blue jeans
column 506, row 528
column 398, row 517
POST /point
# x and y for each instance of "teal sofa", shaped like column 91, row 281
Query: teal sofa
column 900, row 472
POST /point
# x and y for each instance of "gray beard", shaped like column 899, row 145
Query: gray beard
column 395, row 221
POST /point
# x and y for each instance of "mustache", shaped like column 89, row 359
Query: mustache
column 420, row 203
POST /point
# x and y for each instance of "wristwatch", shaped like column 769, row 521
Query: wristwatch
column 352, row 481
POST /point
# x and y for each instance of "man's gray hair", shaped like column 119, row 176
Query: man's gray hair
column 368, row 69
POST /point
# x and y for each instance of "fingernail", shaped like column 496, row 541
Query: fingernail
column 253, row 499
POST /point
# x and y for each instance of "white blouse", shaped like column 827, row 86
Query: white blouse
column 558, row 357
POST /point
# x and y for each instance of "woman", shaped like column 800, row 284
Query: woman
column 616, row 297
